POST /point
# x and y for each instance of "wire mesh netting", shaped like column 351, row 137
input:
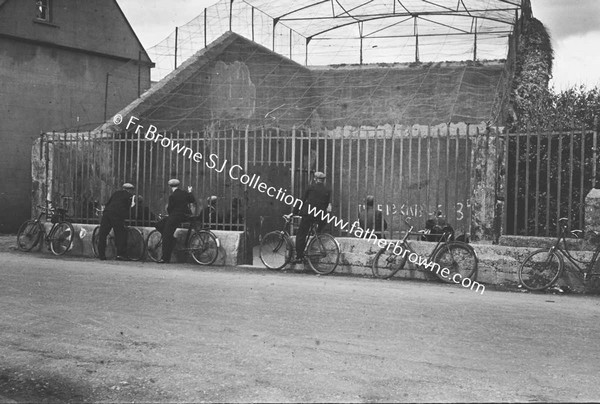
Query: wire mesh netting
column 337, row 63
column 351, row 31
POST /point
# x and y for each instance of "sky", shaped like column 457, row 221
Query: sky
column 574, row 27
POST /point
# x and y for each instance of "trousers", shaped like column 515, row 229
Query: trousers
column 171, row 224
column 117, row 224
column 303, row 230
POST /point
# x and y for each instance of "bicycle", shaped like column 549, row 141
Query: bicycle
column 457, row 256
column 60, row 237
column 200, row 243
column 136, row 247
column 322, row 252
column 542, row 268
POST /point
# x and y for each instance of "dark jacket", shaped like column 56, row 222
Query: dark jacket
column 119, row 204
column 179, row 201
column 316, row 195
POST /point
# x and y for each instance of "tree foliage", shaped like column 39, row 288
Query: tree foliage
column 535, row 106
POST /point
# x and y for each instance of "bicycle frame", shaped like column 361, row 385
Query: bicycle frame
column 312, row 232
column 45, row 212
column 564, row 251
column 194, row 225
column 404, row 242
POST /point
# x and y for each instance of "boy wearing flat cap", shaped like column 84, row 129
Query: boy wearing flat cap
column 177, row 208
column 117, row 209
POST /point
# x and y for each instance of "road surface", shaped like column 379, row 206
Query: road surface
column 80, row 330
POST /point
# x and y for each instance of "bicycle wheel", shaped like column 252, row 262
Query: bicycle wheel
column 203, row 246
column 540, row 269
column 154, row 245
column 386, row 264
column 459, row 258
column 323, row 253
column 95, row 241
column 136, row 247
column 275, row 250
column 29, row 235
column 61, row 238
column 111, row 251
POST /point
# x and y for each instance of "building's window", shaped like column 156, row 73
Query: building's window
column 42, row 10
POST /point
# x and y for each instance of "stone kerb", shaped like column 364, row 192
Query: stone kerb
column 592, row 212
column 498, row 264
column 358, row 254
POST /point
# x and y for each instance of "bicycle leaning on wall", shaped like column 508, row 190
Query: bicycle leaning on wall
column 542, row 268
column 322, row 251
column 201, row 243
column 458, row 257
column 60, row 237
column 136, row 247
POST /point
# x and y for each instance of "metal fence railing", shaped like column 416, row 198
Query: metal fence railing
column 410, row 173
column 548, row 176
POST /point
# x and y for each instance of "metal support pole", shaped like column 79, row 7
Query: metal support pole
column 475, row 42
column 306, row 52
column 106, row 97
column 416, row 31
column 252, row 25
column 360, row 32
column 275, row 20
column 176, row 40
column 230, row 14
column 139, row 73
column 595, row 151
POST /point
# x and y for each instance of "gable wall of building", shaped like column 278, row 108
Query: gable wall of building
column 51, row 86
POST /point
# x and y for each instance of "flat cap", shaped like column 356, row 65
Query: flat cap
column 128, row 185
column 320, row 175
column 211, row 199
column 174, row 182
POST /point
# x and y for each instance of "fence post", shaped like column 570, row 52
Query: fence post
column 595, row 151
column 483, row 204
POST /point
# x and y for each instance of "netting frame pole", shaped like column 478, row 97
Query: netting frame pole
column 475, row 40
column 360, row 32
column 106, row 96
column 139, row 73
column 416, row 32
column 230, row 14
column 176, row 35
column 306, row 51
column 252, row 25
column 275, row 21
